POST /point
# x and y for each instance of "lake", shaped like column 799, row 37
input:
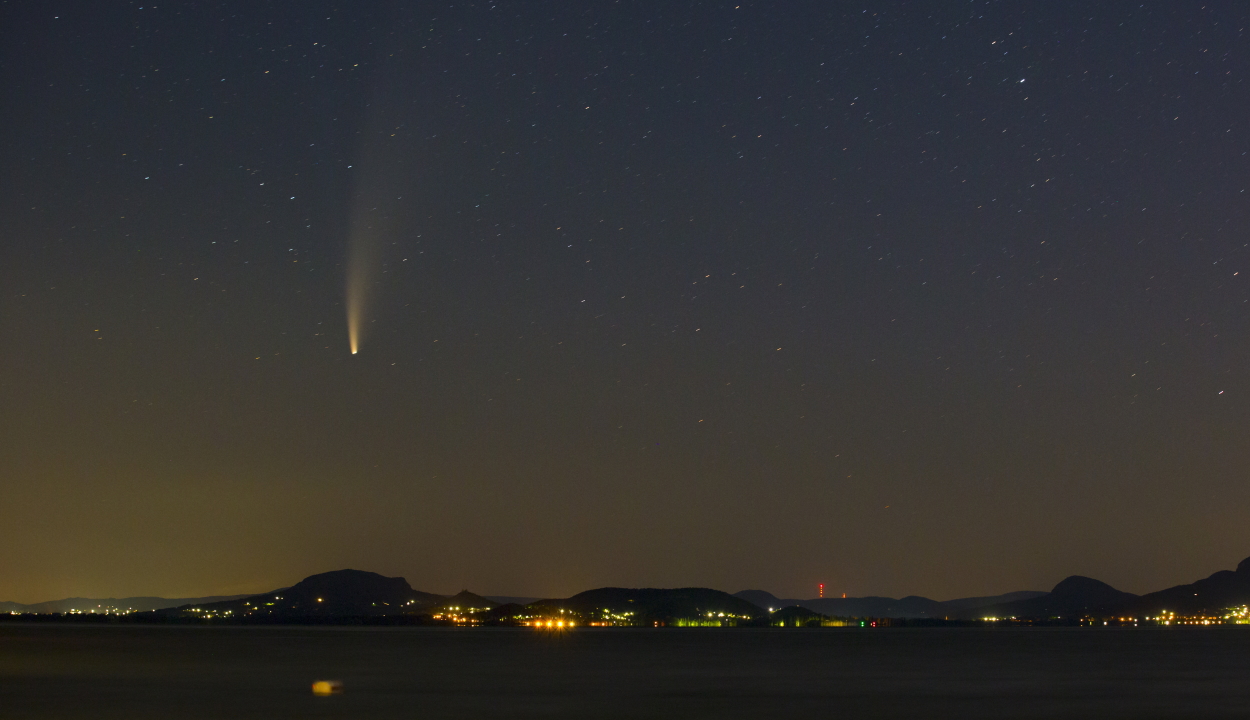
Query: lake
column 137, row 672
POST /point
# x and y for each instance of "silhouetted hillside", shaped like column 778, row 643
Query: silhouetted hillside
column 512, row 599
column 654, row 604
column 465, row 601
column 912, row 606
column 342, row 593
column 506, row 614
column 960, row 604
column 359, row 594
column 110, row 605
column 1074, row 596
column 764, row 600
column 1211, row 595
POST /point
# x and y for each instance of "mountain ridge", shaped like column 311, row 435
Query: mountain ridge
column 1075, row 595
column 142, row 603
column 912, row 606
column 357, row 593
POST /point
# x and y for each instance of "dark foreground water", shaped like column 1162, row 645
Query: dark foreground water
column 188, row 673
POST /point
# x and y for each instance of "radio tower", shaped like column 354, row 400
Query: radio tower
column 821, row 587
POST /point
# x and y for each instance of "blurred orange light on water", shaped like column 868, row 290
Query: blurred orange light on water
column 327, row 687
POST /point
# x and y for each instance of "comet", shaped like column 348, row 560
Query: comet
column 370, row 228
column 359, row 274
column 380, row 177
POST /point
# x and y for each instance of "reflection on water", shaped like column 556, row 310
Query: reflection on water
column 194, row 673
column 327, row 687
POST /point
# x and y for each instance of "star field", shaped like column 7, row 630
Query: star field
column 944, row 298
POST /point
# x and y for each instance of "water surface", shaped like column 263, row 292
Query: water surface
column 193, row 673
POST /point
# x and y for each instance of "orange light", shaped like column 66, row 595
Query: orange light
column 327, row 687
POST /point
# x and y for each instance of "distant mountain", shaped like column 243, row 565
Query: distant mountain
column 465, row 601
column 512, row 599
column 342, row 593
column 1077, row 596
column 356, row 594
column 1074, row 596
column 109, row 605
column 764, row 600
column 976, row 602
column 1213, row 595
column 654, row 604
column 912, row 606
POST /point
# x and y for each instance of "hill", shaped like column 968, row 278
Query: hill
column 359, row 594
column 652, row 605
column 511, row 599
column 1074, row 596
column 912, row 606
column 109, row 605
column 465, row 601
column 961, row 604
column 342, row 593
column 1077, row 596
column 1211, row 595
column 764, row 600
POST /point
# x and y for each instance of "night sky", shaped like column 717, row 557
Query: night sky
column 945, row 298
